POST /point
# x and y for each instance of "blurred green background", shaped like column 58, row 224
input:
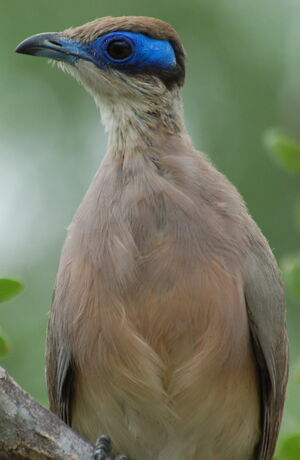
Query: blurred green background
column 242, row 78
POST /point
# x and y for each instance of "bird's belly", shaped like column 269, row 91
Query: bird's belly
column 219, row 423
column 175, row 376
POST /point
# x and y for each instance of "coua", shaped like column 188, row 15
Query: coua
column 167, row 330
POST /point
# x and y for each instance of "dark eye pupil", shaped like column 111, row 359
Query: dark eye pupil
column 119, row 49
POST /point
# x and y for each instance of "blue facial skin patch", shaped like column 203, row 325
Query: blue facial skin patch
column 146, row 51
column 143, row 51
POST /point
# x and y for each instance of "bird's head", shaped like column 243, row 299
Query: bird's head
column 133, row 66
column 130, row 56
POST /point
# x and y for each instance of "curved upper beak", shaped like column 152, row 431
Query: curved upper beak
column 54, row 46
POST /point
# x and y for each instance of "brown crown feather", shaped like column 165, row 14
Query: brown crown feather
column 153, row 27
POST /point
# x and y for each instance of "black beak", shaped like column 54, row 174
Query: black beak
column 54, row 46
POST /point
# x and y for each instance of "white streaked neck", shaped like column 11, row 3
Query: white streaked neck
column 137, row 122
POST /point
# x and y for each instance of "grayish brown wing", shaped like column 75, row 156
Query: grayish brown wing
column 266, row 312
column 59, row 376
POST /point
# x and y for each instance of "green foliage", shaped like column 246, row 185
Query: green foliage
column 289, row 448
column 291, row 273
column 4, row 347
column 283, row 150
column 297, row 214
column 9, row 288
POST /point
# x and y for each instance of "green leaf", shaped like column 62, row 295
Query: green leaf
column 9, row 288
column 291, row 274
column 289, row 448
column 3, row 344
column 283, row 150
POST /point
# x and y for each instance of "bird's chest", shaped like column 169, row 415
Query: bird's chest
column 142, row 269
column 115, row 264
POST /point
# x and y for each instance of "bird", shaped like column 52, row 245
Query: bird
column 167, row 331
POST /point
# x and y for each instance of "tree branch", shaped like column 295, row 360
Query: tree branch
column 28, row 430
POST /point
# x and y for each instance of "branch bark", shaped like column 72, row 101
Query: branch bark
column 29, row 431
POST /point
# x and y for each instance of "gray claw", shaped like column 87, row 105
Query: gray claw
column 102, row 448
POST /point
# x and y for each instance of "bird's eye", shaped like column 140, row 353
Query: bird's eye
column 119, row 49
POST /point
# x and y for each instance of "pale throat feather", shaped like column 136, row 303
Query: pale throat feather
column 135, row 113
column 138, row 123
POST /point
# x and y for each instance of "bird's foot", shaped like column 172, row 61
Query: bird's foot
column 102, row 450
